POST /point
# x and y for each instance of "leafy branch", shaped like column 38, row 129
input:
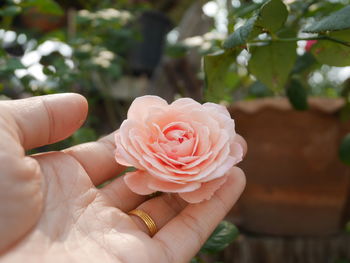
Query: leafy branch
column 320, row 37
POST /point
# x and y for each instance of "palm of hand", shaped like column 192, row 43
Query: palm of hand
column 79, row 222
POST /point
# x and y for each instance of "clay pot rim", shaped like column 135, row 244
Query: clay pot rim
column 326, row 105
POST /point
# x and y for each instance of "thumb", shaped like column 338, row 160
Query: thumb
column 47, row 119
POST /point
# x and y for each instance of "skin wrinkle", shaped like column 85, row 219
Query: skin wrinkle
column 190, row 222
column 111, row 194
column 107, row 145
column 35, row 211
column 57, row 182
column 51, row 121
column 58, row 168
column 167, row 251
column 90, row 237
column 11, row 122
column 174, row 202
column 10, row 128
column 91, row 206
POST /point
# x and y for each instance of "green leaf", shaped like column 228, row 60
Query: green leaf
column 45, row 6
column 343, row 35
column 342, row 261
column 177, row 50
column 259, row 90
column 331, row 53
column 13, row 64
column 344, row 113
column 297, row 95
column 344, row 150
column 219, row 78
column 303, row 62
column 48, row 71
column 272, row 63
column 195, row 260
column 245, row 9
column 10, row 10
column 272, row 16
column 240, row 36
column 338, row 20
column 224, row 234
column 84, row 135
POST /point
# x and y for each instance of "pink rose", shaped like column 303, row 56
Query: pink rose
column 183, row 148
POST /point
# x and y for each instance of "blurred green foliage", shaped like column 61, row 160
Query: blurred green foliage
column 84, row 51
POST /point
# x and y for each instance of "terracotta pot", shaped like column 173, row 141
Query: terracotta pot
column 34, row 19
column 296, row 184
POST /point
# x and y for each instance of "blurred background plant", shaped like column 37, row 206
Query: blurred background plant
column 50, row 48
column 249, row 52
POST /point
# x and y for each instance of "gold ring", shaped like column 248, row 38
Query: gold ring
column 151, row 225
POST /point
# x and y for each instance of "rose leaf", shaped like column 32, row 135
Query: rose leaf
column 224, row 234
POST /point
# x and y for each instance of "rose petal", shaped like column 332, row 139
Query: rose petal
column 138, row 182
column 187, row 159
column 169, row 160
column 155, row 163
column 161, row 116
column 156, row 148
column 185, row 103
column 122, row 156
column 126, row 137
column 184, row 172
column 236, row 150
column 138, row 108
column 223, row 139
column 205, row 119
column 184, row 149
column 205, row 192
column 217, row 108
column 141, row 144
column 164, row 176
column 160, row 135
column 179, row 125
column 203, row 136
column 220, row 113
column 171, row 187
column 205, row 171
column 221, row 170
column 198, row 161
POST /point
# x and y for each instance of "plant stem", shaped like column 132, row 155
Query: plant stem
column 302, row 38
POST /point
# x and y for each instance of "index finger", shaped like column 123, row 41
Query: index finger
column 97, row 158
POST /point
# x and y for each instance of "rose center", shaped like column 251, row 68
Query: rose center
column 176, row 135
column 177, row 132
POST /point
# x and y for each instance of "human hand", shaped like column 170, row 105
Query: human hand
column 52, row 211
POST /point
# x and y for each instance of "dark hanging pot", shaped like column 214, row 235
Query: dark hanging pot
column 296, row 184
column 146, row 53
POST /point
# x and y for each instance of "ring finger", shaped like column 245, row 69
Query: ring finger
column 161, row 209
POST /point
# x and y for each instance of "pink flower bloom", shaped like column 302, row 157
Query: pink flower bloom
column 183, row 148
column 309, row 45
